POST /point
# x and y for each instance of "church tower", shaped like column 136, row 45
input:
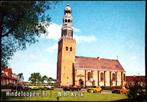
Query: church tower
column 66, row 51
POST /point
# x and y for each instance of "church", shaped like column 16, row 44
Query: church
column 80, row 70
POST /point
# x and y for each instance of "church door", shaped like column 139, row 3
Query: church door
column 81, row 82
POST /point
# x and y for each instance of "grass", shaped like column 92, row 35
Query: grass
column 85, row 96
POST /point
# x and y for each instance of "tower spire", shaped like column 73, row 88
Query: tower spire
column 68, row 3
column 67, row 30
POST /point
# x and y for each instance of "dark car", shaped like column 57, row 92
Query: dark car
column 20, row 87
column 71, row 88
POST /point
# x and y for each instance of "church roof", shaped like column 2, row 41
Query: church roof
column 97, row 63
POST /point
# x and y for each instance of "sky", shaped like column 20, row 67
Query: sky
column 105, row 29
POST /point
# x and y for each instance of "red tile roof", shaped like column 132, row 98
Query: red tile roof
column 7, row 73
column 135, row 78
column 97, row 63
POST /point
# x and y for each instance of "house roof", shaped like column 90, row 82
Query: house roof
column 135, row 78
column 97, row 63
column 7, row 73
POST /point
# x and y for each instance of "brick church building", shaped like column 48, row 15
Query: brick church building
column 84, row 71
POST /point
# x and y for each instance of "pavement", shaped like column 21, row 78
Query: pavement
column 106, row 92
column 4, row 90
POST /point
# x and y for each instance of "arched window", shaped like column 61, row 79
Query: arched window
column 102, row 76
column 113, row 77
column 81, row 82
column 66, row 48
column 65, row 20
column 89, row 75
column 70, row 48
column 68, row 20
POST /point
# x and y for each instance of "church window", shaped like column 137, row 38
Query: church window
column 102, row 76
column 113, row 77
column 65, row 20
column 89, row 75
column 70, row 48
column 66, row 48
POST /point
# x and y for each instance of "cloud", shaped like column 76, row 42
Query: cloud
column 80, row 38
column 76, row 29
column 54, row 33
column 52, row 48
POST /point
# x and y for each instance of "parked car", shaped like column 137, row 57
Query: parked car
column 42, row 87
column 33, row 87
column 119, row 90
column 71, row 88
column 19, row 87
column 48, row 87
column 94, row 89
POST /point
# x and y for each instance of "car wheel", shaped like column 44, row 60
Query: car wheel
column 91, row 91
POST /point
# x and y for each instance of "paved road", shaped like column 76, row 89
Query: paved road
column 4, row 90
column 106, row 92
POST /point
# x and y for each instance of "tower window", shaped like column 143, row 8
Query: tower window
column 66, row 48
column 70, row 48
column 68, row 20
column 65, row 20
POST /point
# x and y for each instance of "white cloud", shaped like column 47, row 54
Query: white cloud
column 52, row 48
column 76, row 29
column 89, row 38
column 54, row 33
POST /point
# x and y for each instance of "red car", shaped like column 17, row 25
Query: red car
column 120, row 90
column 72, row 88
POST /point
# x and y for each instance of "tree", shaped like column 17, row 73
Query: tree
column 21, row 25
column 44, row 78
column 20, row 77
column 50, row 80
column 35, row 78
column 136, row 93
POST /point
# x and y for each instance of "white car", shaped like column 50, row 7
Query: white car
column 49, row 87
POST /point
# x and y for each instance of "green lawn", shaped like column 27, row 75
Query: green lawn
column 85, row 96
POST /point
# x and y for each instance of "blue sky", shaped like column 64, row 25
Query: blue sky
column 106, row 29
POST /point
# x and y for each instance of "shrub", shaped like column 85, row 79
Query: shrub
column 136, row 93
